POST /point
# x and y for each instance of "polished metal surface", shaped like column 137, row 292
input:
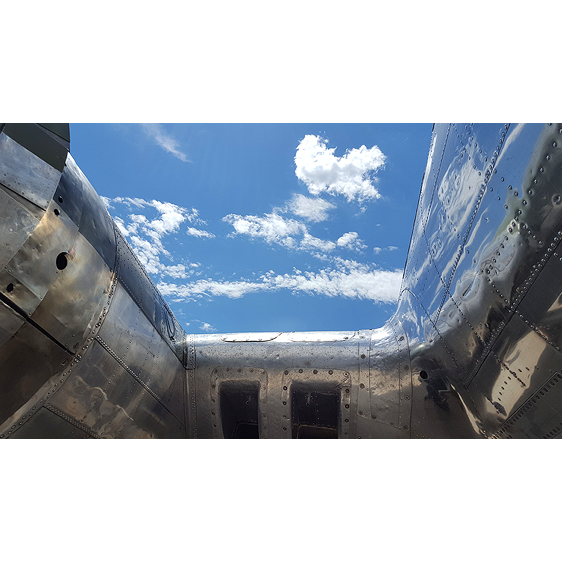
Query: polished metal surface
column 89, row 348
column 25, row 173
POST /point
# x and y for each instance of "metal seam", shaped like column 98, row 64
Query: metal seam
column 527, row 405
column 76, row 359
column 135, row 376
column 72, row 421
column 161, row 301
column 525, row 287
column 191, row 352
column 487, row 177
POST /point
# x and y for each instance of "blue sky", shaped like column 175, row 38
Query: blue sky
column 263, row 227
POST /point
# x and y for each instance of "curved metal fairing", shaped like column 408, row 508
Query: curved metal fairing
column 89, row 348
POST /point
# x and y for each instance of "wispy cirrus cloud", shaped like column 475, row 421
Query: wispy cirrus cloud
column 348, row 279
column 351, row 175
column 163, row 139
column 313, row 209
column 199, row 233
column 378, row 250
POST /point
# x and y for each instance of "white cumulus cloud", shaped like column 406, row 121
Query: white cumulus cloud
column 352, row 241
column 351, row 175
column 272, row 227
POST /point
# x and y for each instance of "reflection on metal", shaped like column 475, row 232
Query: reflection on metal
column 236, row 338
column 90, row 349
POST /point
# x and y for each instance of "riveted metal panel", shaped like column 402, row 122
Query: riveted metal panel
column 69, row 194
column 361, row 391
column 173, row 397
column 25, row 173
column 34, row 266
column 499, row 261
column 47, row 424
column 75, row 300
column 405, row 374
column 470, row 165
column 540, row 416
column 431, row 176
column 147, row 297
column 389, row 371
column 135, row 341
column 541, row 306
column 459, row 335
column 106, row 397
column 121, row 316
column 281, row 391
column 39, row 142
column 16, row 225
column 373, row 429
column 384, row 382
column 10, row 323
column 222, row 376
column 28, row 360
column 23, row 415
column 94, row 221
column 96, row 377
column 518, row 364
column 155, row 364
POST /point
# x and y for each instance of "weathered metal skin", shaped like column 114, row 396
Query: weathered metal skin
column 89, row 348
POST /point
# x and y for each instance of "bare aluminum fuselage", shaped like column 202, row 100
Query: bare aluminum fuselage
column 89, row 348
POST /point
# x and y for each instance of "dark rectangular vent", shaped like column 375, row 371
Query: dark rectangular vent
column 314, row 412
column 239, row 409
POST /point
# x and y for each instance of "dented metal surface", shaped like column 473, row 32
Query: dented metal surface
column 90, row 349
